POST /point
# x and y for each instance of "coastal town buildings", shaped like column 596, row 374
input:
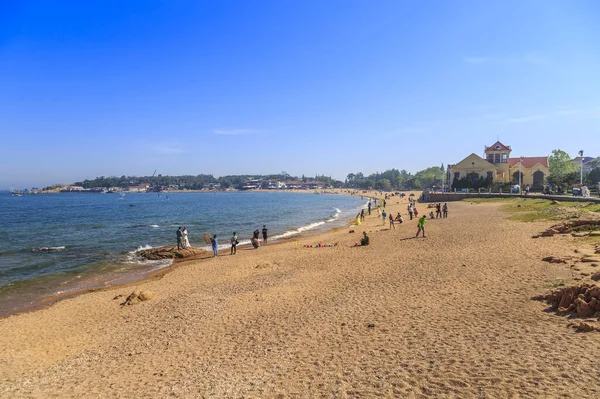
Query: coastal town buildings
column 497, row 166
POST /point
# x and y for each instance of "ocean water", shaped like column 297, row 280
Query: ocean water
column 53, row 244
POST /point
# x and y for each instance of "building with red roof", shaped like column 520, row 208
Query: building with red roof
column 497, row 166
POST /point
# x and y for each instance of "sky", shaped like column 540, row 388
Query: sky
column 110, row 88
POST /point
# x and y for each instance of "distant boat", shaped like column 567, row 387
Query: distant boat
column 121, row 196
column 15, row 193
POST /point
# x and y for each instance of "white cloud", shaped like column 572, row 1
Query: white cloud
column 235, row 132
column 528, row 118
column 476, row 60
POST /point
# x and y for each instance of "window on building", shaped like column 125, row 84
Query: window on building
column 496, row 158
column 490, row 175
column 457, row 175
column 504, row 158
column 490, row 158
column 497, row 148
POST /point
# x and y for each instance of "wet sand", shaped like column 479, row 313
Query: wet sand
column 449, row 315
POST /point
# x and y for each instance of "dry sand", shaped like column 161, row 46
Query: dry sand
column 445, row 316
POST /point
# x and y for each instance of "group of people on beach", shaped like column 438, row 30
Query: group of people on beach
column 441, row 211
column 183, row 240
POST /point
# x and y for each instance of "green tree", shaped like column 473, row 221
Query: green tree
column 561, row 163
column 383, row 184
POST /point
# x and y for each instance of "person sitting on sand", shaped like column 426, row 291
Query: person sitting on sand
column 416, row 212
column 399, row 218
column 365, row 239
column 421, row 226
column 431, row 215
column 234, row 243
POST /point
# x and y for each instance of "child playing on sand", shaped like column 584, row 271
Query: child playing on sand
column 421, row 226
column 365, row 239
column 399, row 218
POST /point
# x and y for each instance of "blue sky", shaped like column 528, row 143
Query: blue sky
column 91, row 88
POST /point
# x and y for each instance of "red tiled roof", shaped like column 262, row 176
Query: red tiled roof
column 528, row 162
column 499, row 144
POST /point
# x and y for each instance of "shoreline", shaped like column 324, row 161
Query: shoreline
column 130, row 277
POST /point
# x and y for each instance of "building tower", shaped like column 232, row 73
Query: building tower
column 498, row 155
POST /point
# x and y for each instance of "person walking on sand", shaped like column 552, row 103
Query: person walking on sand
column 215, row 245
column 264, row 234
column 383, row 217
column 421, row 226
column 362, row 214
column 445, row 209
column 234, row 243
column 186, row 240
column 179, row 238
column 392, row 222
column 369, row 205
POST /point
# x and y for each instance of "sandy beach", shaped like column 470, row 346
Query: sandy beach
column 447, row 316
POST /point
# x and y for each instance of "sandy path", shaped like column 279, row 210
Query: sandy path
column 451, row 313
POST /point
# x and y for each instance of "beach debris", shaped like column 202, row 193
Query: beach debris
column 557, row 259
column 170, row 253
column 118, row 296
column 582, row 326
column 583, row 299
column 137, row 297
column 554, row 202
column 596, row 276
column 589, row 260
column 585, row 227
column 351, row 231
column 320, row 245
column 371, row 325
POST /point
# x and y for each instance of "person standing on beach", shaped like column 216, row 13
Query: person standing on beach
column 264, row 234
column 362, row 214
column 410, row 211
column 384, row 217
column 438, row 211
column 234, row 243
column 421, row 226
column 179, row 238
column 369, row 205
column 445, row 209
column 186, row 240
column 215, row 245
column 392, row 222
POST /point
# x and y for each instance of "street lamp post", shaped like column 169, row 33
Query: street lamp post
column 520, row 191
column 581, row 167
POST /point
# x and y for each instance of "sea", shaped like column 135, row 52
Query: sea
column 55, row 245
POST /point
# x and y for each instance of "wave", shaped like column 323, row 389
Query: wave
column 141, row 226
column 48, row 249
